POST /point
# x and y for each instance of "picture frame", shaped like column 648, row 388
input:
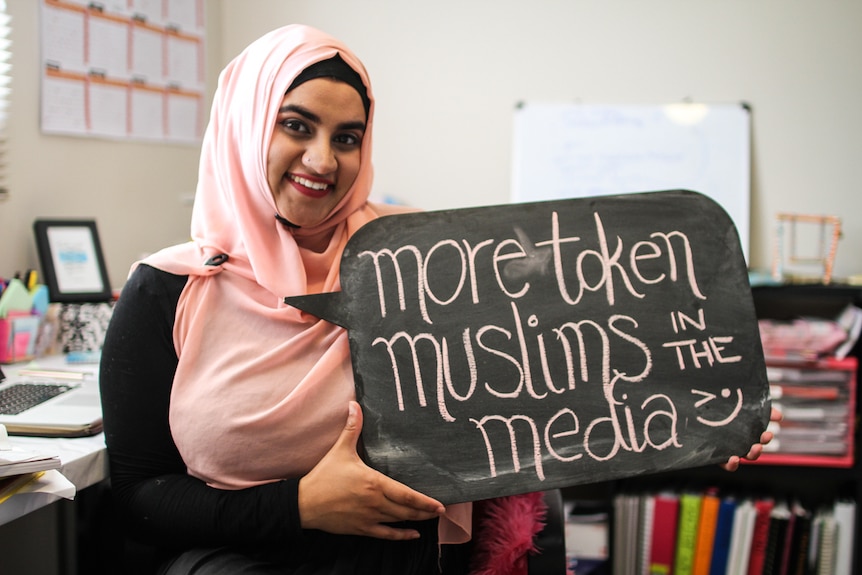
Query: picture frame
column 804, row 247
column 70, row 254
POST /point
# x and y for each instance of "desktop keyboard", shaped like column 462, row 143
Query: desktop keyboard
column 20, row 397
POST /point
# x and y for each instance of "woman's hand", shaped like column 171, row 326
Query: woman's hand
column 756, row 449
column 343, row 495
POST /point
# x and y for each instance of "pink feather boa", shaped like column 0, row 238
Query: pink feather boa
column 504, row 532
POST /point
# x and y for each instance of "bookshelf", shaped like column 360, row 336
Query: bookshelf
column 814, row 481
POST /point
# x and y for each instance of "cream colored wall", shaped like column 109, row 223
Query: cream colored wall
column 447, row 75
column 133, row 190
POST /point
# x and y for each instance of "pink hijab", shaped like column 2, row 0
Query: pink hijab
column 261, row 389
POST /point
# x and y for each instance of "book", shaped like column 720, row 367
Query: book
column 647, row 519
column 827, row 531
column 618, row 540
column 779, row 520
column 706, row 529
column 844, row 512
column 626, row 521
column 631, row 535
column 740, row 543
column 723, row 532
column 586, row 530
column 689, row 516
column 17, row 460
column 798, row 546
column 816, row 534
column 665, row 521
column 12, row 484
column 778, row 392
column 786, row 548
column 760, row 535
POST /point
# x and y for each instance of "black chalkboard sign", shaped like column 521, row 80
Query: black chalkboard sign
column 523, row 347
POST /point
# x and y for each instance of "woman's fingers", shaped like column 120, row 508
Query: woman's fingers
column 732, row 464
column 343, row 495
column 775, row 415
column 755, row 450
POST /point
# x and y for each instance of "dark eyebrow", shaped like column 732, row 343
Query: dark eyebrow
column 306, row 113
column 312, row 117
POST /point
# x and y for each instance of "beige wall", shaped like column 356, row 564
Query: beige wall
column 447, row 75
column 138, row 193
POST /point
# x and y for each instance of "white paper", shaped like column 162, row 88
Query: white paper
column 103, row 69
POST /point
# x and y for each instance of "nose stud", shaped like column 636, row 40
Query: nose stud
column 320, row 165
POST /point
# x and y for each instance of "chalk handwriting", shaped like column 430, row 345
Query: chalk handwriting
column 521, row 348
column 664, row 247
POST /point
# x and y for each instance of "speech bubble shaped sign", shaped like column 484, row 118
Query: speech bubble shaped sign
column 516, row 348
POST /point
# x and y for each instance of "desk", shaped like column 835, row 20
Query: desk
column 44, row 536
column 83, row 461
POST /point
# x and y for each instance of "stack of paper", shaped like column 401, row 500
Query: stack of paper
column 17, row 461
column 817, row 406
column 20, row 467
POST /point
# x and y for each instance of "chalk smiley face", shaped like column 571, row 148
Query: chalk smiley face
column 725, row 393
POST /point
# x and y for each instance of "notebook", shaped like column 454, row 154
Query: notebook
column 51, row 400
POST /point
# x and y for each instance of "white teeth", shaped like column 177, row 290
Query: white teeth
column 308, row 183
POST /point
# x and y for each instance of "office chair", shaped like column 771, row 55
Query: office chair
column 103, row 547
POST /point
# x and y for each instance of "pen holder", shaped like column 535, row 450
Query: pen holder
column 18, row 335
column 82, row 326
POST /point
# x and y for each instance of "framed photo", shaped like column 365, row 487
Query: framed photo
column 70, row 254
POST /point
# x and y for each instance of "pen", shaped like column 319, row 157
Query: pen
column 53, row 374
column 31, row 278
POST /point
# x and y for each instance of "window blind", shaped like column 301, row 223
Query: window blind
column 5, row 89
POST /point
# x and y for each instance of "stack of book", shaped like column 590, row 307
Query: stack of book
column 19, row 466
column 809, row 338
column 817, row 401
column 812, row 381
column 705, row 533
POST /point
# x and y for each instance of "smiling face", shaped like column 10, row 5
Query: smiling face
column 314, row 154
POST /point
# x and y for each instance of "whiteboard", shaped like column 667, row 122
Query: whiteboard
column 571, row 150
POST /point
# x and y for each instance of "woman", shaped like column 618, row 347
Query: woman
column 230, row 417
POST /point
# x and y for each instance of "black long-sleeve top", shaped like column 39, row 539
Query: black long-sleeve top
column 164, row 506
column 159, row 501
